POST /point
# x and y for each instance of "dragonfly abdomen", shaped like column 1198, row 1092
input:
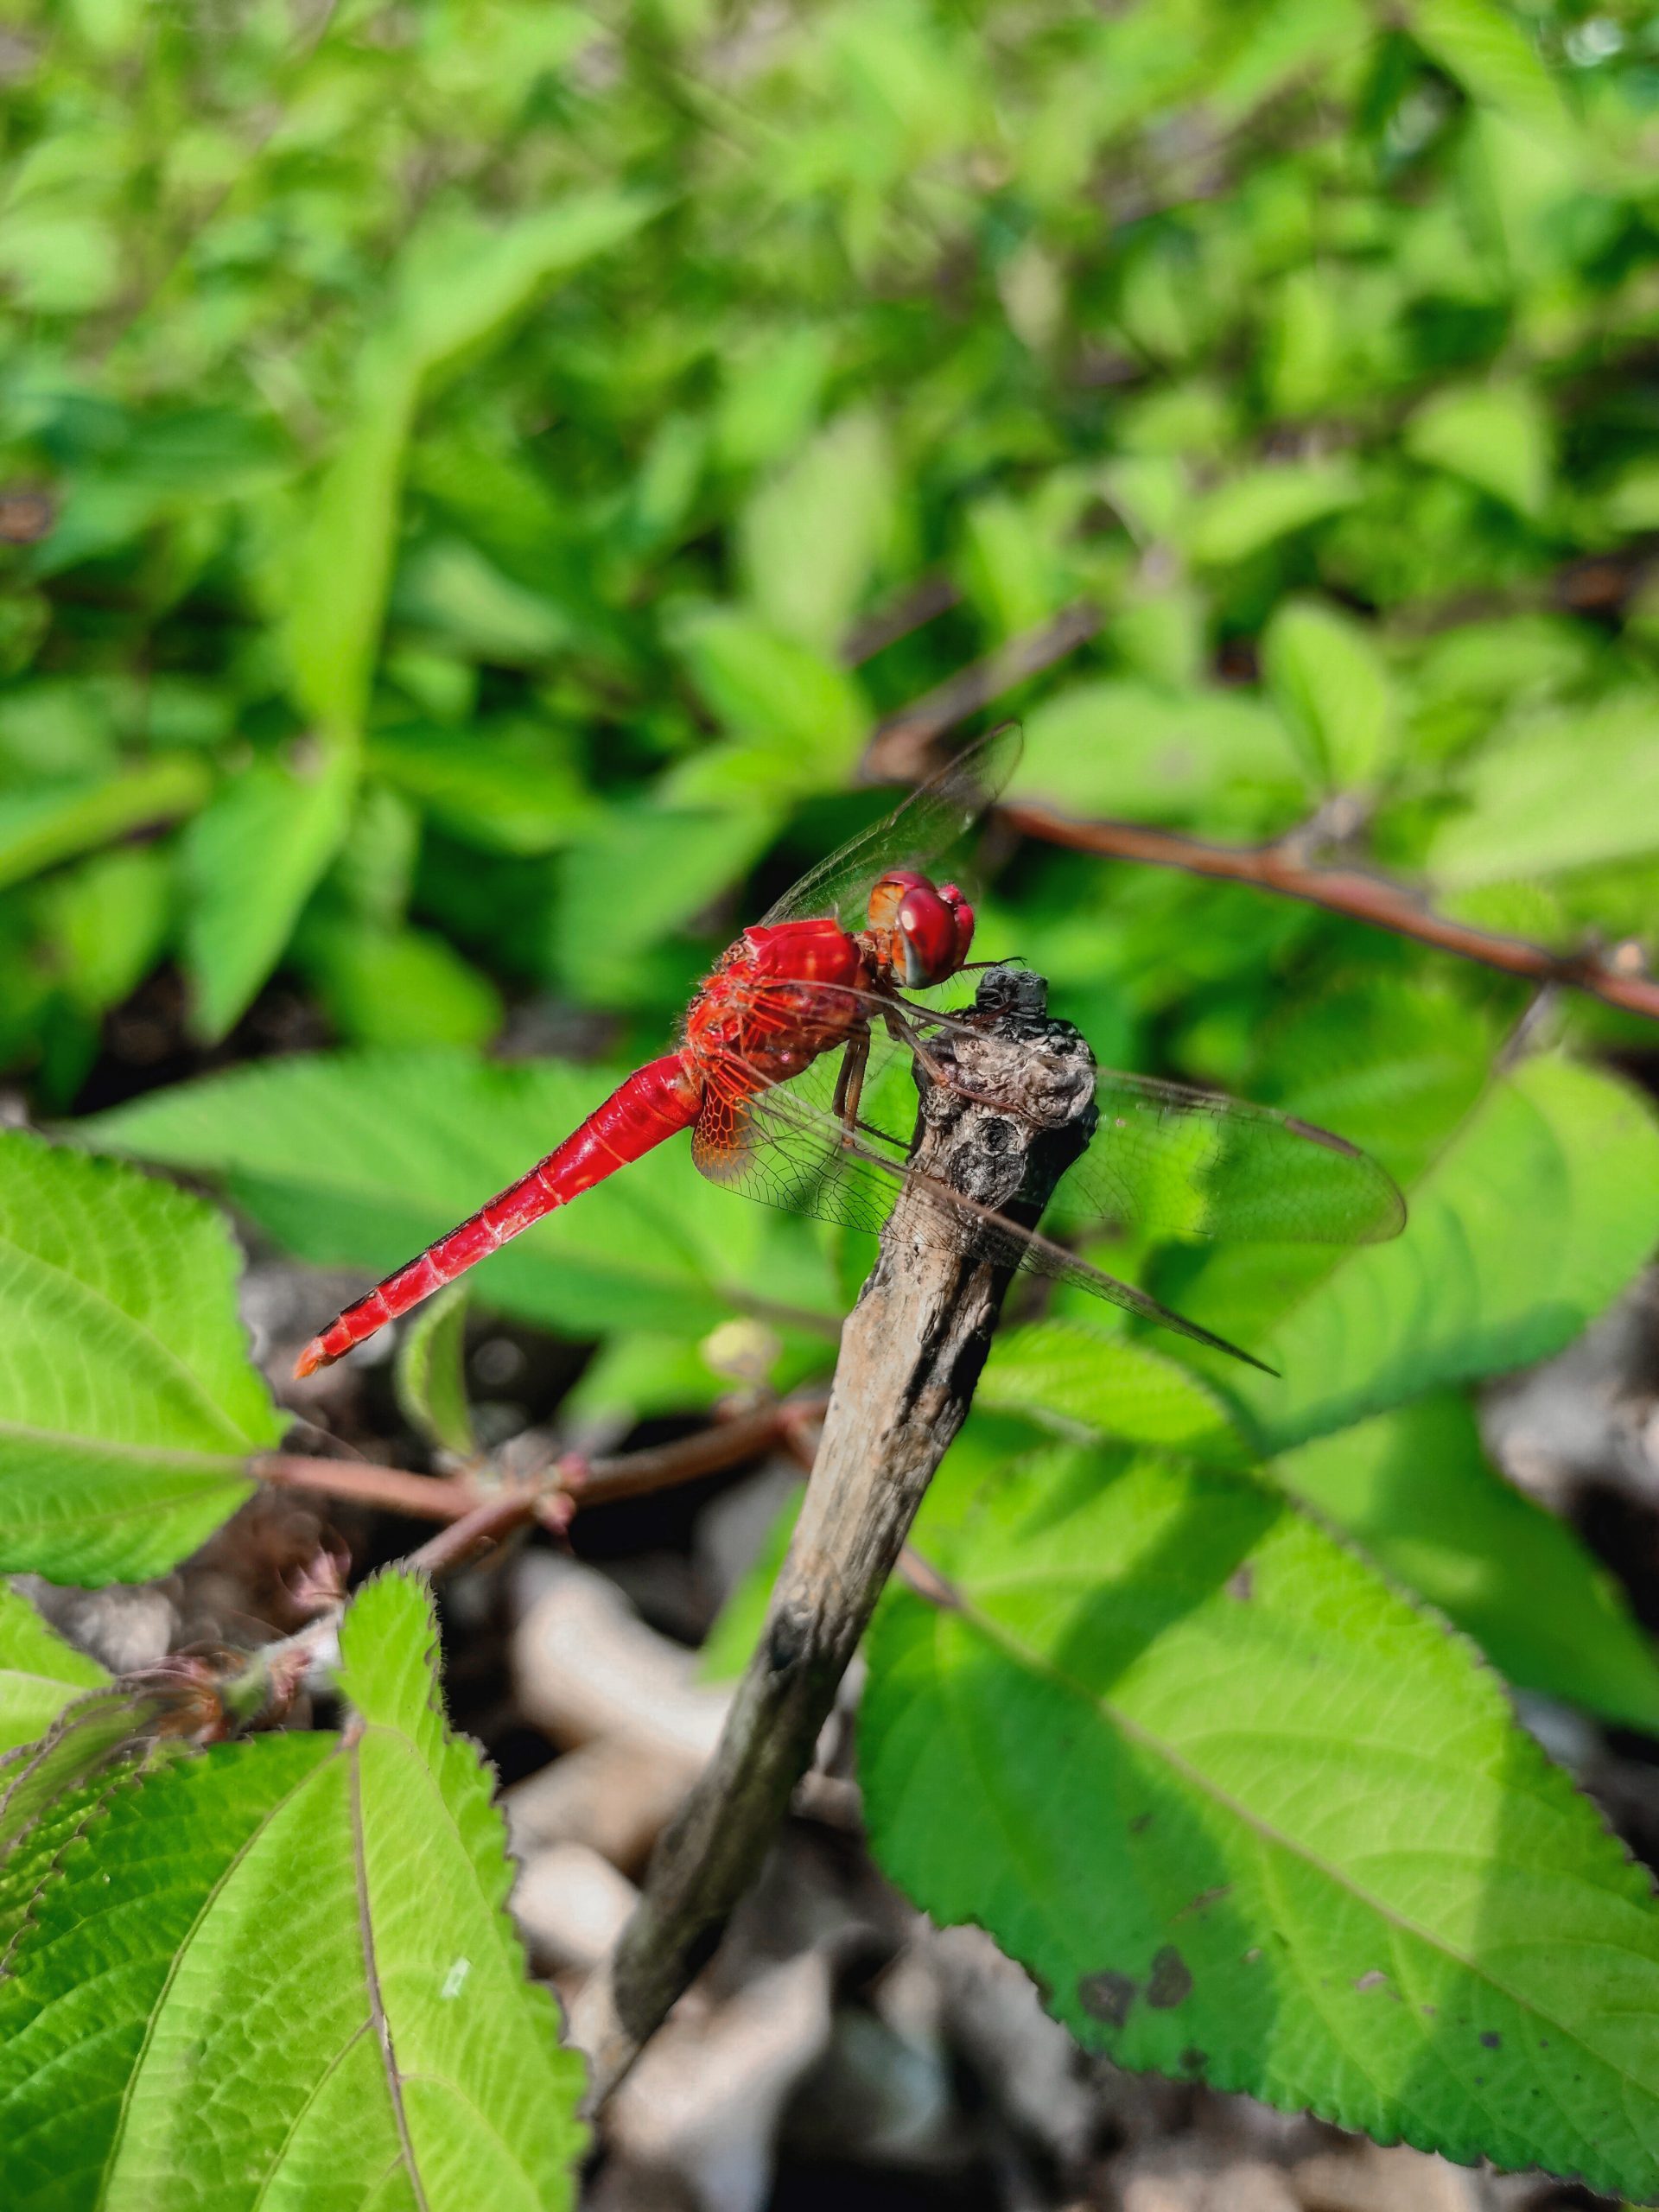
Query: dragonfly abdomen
column 655, row 1102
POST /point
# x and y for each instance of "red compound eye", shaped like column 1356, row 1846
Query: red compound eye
column 935, row 929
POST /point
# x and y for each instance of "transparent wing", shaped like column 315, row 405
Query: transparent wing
column 1186, row 1163
column 1168, row 1159
column 926, row 824
column 783, row 1145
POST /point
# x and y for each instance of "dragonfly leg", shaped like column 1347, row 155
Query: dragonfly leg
column 906, row 1035
column 849, row 1081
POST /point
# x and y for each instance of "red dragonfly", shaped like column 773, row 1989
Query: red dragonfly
column 825, row 973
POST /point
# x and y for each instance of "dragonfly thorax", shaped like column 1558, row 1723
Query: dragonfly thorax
column 920, row 933
column 784, row 993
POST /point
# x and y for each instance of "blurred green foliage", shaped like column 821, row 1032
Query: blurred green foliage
column 474, row 474
column 463, row 466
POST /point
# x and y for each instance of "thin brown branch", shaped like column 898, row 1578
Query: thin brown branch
column 898, row 749
column 1617, row 978
column 596, row 1481
column 923, row 603
column 513, row 1508
column 911, row 1356
column 727, row 1444
column 392, row 1490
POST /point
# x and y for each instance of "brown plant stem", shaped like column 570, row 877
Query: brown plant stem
column 1356, row 892
column 898, row 747
column 598, row 1482
column 910, row 1355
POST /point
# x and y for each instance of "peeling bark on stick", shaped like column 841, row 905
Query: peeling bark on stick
column 910, row 1357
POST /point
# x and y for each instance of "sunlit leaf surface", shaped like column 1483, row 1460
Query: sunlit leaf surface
column 1244, row 1814
column 128, row 1402
column 183, row 2023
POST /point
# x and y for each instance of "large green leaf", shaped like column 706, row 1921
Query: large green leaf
column 1495, row 436
column 513, row 787
column 128, row 1403
column 461, row 284
column 38, row 1671
column 283, row 1973
column 1246, row 1815
column 1073, row 1376
column 399, row 986
column 1414, row 1487
column 1114, row 746
column 361, row 1158
column 1541, row 1210
column 1481, row 45
column 1332, row 686
column 797, row 719
column 640, row 874
column 343, row 565
column 811, row 536
column 1256, row 509
column 251, row 860
column 1562, row 793
column 55, row 821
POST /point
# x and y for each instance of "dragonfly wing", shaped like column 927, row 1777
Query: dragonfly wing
column 1165, row 1158
column 791, row 1156
column 1186, row 1163
column 783, row 1145
column 925, row 825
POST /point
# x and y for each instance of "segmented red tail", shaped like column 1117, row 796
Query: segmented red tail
column 650, row 1106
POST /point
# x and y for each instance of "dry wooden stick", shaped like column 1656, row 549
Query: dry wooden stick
column 911, row 1356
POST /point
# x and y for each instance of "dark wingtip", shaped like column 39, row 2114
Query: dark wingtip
column 1328, row 1138
column 1233, row 1352
column 1393, row 1221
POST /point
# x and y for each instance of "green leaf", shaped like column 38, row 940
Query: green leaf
column 431, row 1375
column 361, row 1158
column 1331, row 687
column 644, row 871
column 514, row 787
column 1497, row 437
column 250, row 861
column 343, row 564
column 1012, row 570
column 1117, row 748
column 108, row 919
column 809, row 538
column 38, row 1671
column 1245, row 1814
column 1562, row 793
column 797, row 720
column 1251, row 511
column 1537, row 1214
column 1492, row 58
column 451, row 588
column 56, row 821
column 461, row 284
column 128, row 1403
column 1414, row 1487
column 1070, row 1374
column 184, row 2023
column 399, row 986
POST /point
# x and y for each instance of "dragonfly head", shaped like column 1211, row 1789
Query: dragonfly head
column 923, row 930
